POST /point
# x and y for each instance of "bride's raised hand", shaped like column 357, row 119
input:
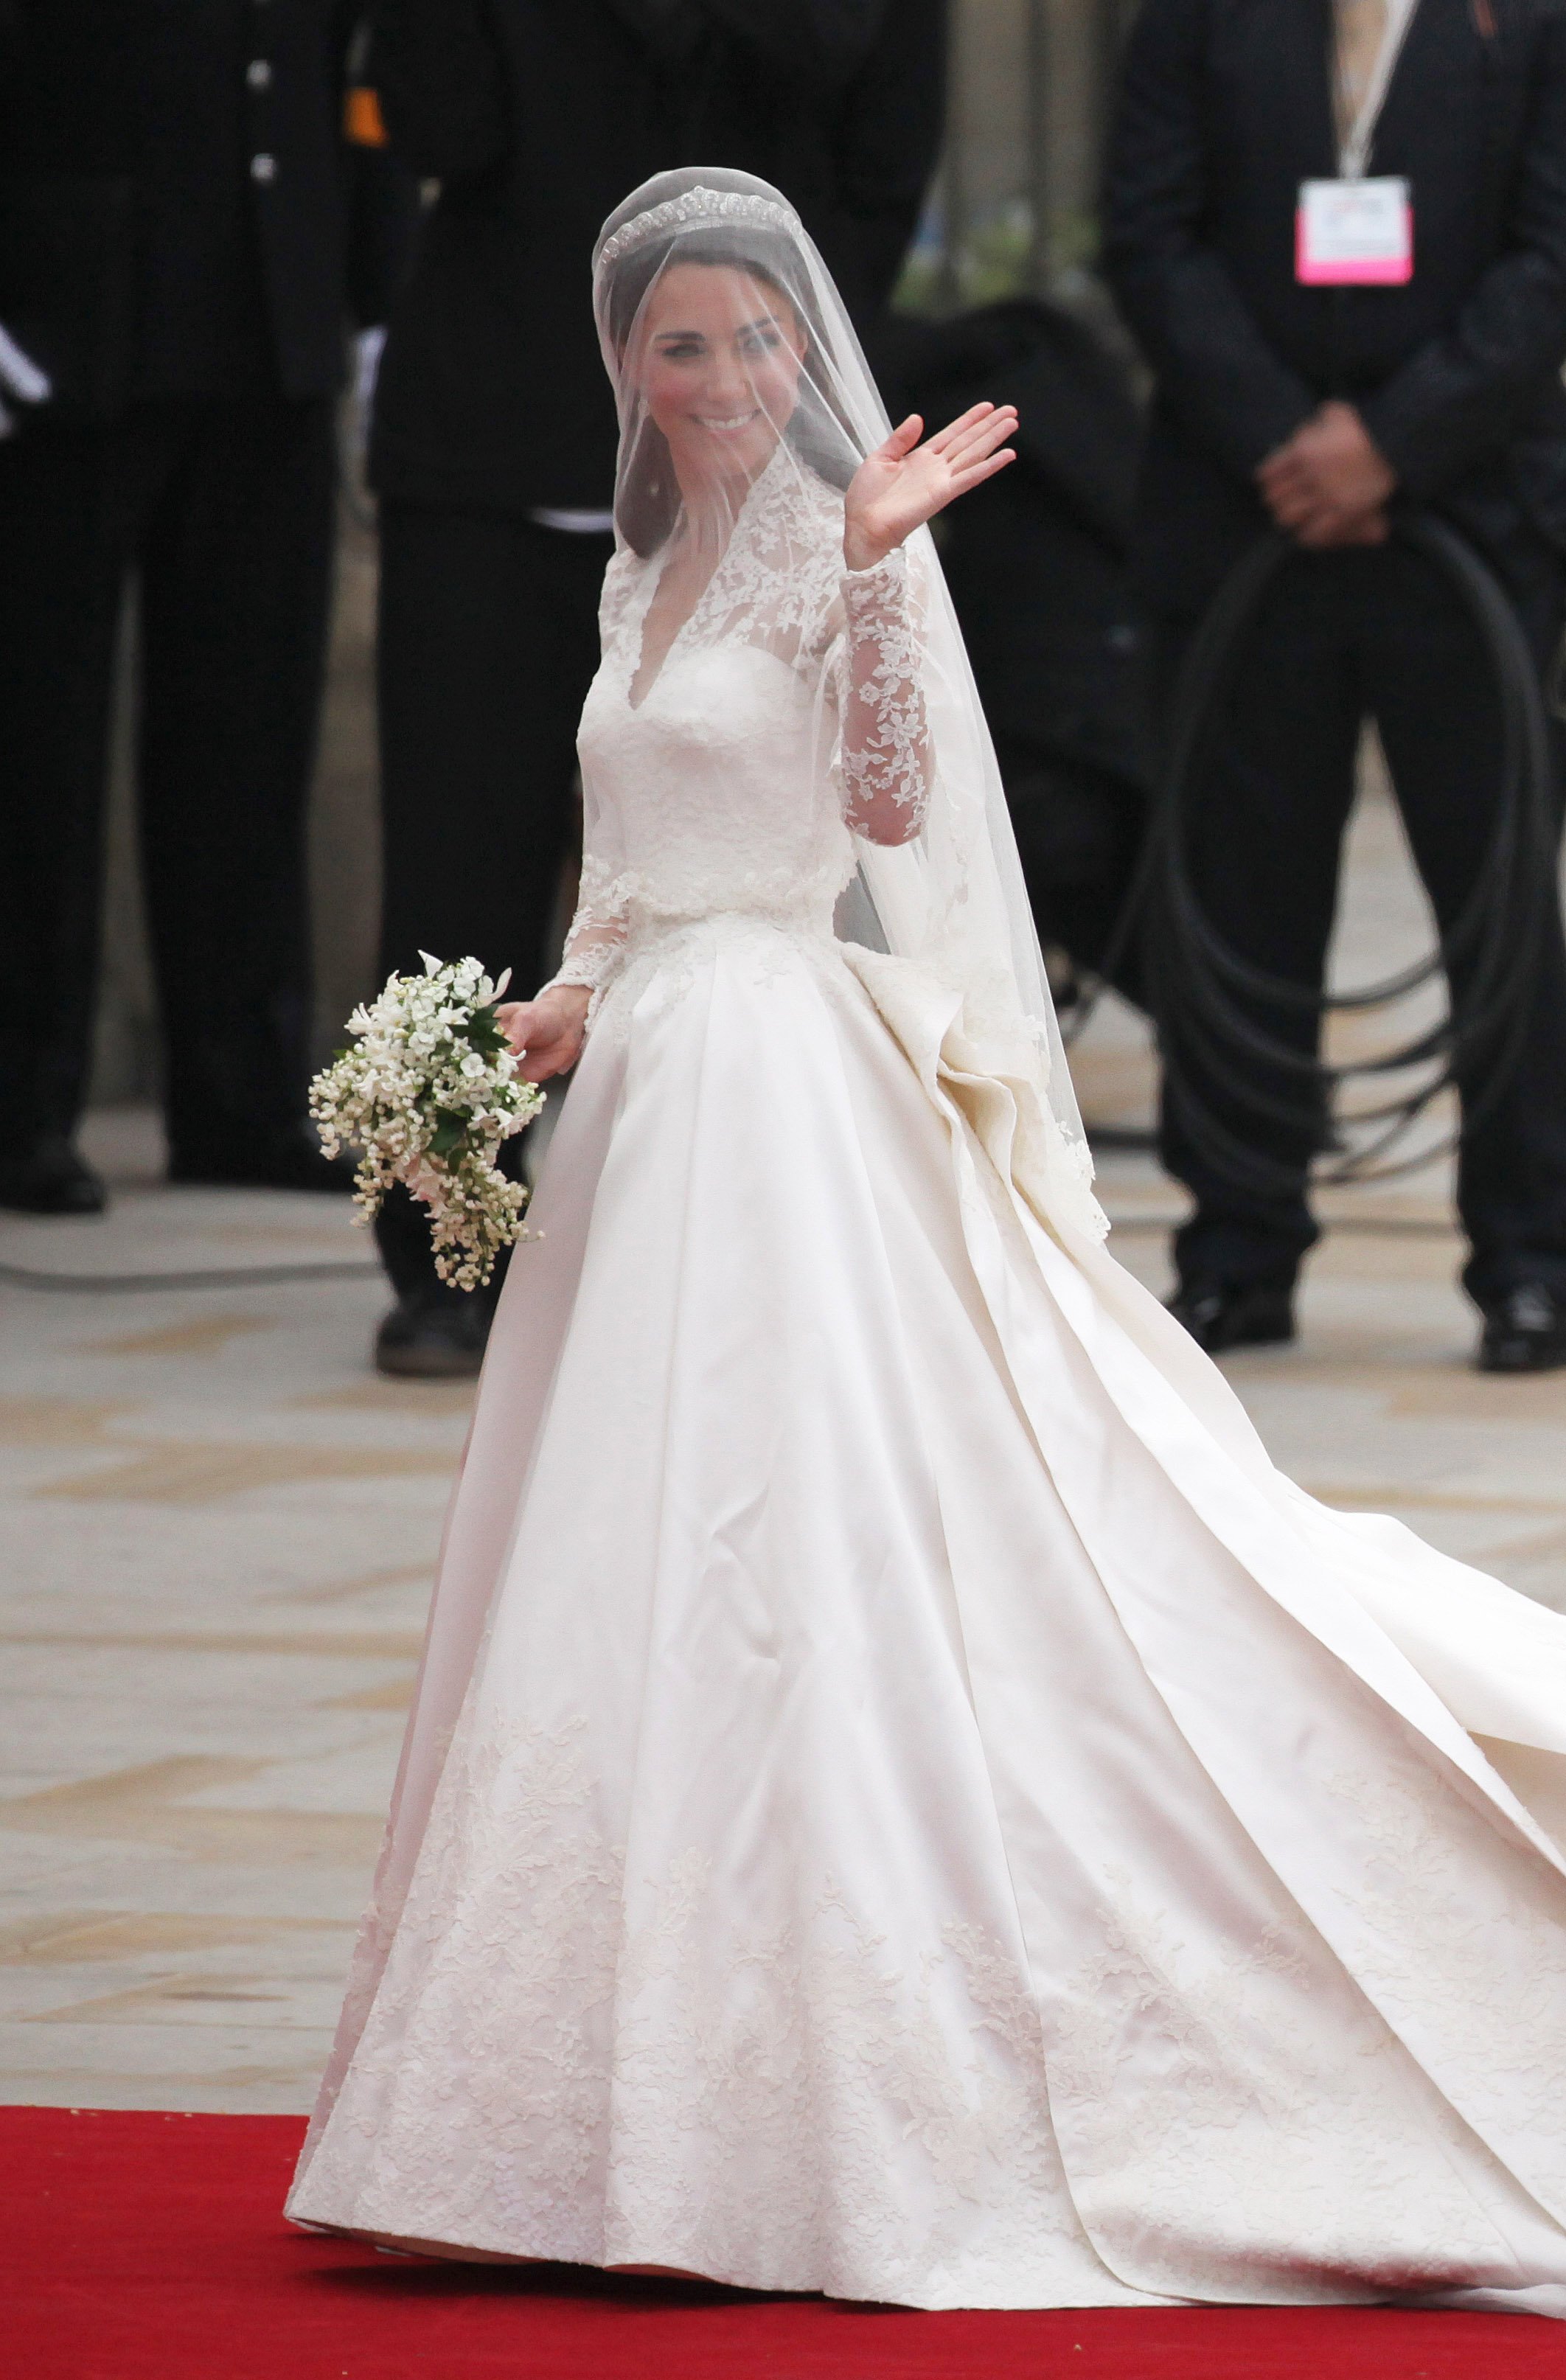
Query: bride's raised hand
column 902, row 484
column 546, row 1033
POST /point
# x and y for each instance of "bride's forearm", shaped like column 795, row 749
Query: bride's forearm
column 885, row 755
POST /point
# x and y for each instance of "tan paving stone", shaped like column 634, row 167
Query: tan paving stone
column 396, row 1694
column 149, row 1804
column 207, row 1335
column 172, row 1474
column 75, row 1937
column 419, row 1401
column 315, row 1644
column 58, row 1421
column 258, row 2069
column 196, row 1999
column 347, row 1590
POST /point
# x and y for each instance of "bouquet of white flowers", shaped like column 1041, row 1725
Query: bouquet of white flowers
column 426, row 1093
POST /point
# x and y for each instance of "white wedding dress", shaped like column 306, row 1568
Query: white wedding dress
column 933, row 1817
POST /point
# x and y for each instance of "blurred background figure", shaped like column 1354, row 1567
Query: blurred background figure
column 494, row 438
column 1324, row 411
column 1039, row 566
column 178, row 257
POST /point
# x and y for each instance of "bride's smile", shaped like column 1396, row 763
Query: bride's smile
column 718, row 354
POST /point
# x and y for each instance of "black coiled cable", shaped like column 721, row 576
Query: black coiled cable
column 1198, row 985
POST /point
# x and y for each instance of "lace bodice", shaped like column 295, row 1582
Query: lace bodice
column 786, row 719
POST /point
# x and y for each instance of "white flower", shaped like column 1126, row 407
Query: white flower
column 414, row 1076
column 427, row 1181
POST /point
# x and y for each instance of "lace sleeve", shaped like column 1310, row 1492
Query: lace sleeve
column 883, row 756
column 597, row 936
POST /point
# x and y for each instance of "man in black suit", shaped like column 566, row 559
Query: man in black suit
column 175, row 214
column 493, row 447
column 1323, row 408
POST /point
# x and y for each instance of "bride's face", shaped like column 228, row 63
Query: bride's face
column 719, row 353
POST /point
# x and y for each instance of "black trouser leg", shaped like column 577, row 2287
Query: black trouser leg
column 236, row 562
column 1264, row 830
column 488, row 644
column 67, row 515
column 1433, row 692
column 1079, row 834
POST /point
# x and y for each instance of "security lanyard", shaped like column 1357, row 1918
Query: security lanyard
column 1359, row 228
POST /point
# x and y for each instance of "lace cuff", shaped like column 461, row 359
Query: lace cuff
column 596, row 939
column 883, row 758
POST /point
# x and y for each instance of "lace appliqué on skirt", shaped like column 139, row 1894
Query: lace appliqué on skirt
column 642, row 2078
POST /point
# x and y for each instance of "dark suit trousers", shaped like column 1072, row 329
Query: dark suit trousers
column 223, row 509
column 488, row 644
column 1342, row 637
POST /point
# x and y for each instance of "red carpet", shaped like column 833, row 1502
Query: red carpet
column 145, row 2247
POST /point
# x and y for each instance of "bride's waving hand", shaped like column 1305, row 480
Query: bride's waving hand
column 902, row 484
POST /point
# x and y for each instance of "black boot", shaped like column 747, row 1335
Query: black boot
column 49, row 1178
column 1525, row 1330
column 1218, row 1314
column 434, row 1333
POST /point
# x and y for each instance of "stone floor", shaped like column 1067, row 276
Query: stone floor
column 220, row 1529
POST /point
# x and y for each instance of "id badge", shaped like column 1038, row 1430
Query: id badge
column 1354, row 231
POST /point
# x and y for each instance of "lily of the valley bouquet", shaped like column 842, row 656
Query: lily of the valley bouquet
column 426, row 1092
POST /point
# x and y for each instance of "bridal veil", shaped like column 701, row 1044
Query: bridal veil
column 950, row 904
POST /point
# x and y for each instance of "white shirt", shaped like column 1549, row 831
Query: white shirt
column 573, row 523
column 1370, row 35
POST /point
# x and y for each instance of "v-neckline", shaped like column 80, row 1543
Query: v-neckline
column 635, row 703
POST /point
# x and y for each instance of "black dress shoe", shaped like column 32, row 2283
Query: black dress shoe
column 1218, row 1315
column 292, row 1162
column 50, row 1179
column 434, row 1333
column 1525, row 1330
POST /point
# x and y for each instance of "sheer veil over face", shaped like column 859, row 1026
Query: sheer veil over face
column 740, row 384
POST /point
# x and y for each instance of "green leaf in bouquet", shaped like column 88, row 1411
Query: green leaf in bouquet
column 484, row 1033
column 451, row 1131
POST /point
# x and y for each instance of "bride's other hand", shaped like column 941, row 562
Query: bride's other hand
column 902, row 484
column 546, row 1033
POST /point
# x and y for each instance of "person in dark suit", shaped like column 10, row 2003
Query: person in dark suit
column 1322, row 410
column 174, row 208
column 494, row 436
column 1037, row 563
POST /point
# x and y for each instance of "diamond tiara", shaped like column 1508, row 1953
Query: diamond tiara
column 698, row 205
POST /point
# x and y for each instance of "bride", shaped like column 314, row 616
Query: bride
column 901, row 1798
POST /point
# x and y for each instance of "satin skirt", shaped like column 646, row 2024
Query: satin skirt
column 900, row 1802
